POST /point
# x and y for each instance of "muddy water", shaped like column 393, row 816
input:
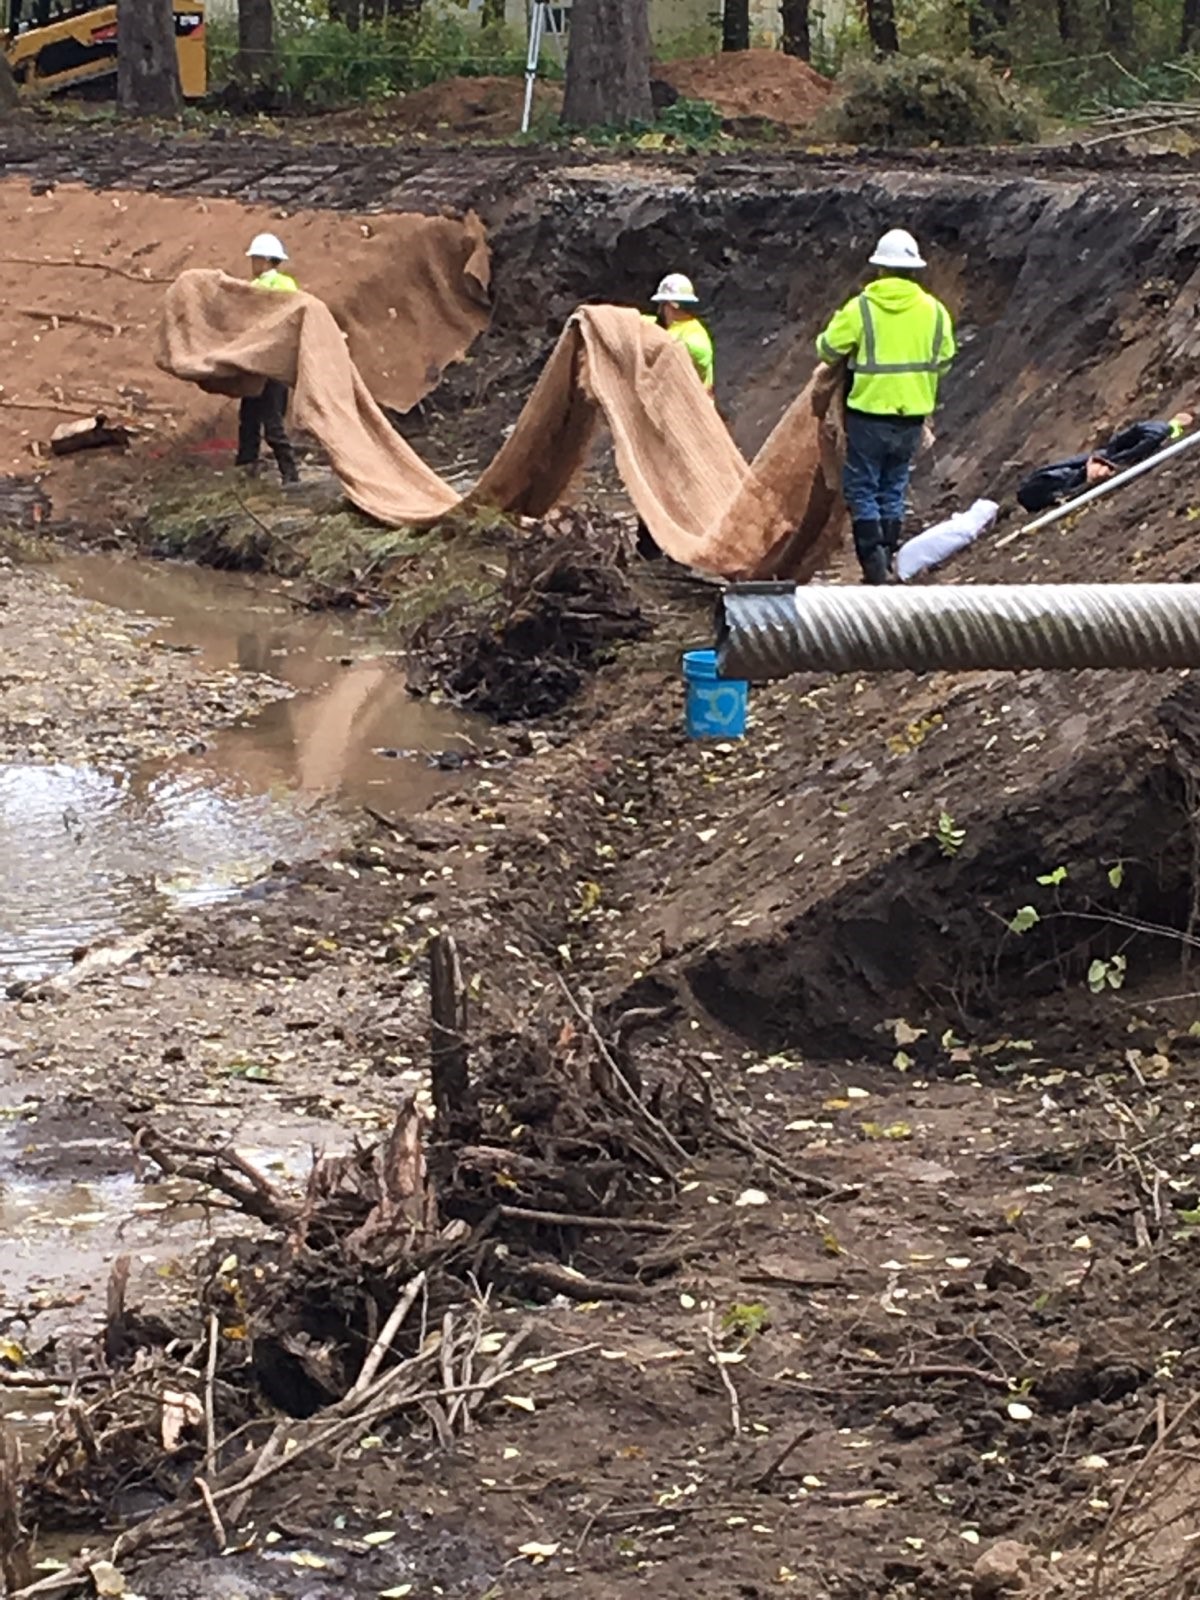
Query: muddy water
column 88, row 854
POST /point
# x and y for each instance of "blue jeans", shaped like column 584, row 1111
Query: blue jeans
column 879, row 458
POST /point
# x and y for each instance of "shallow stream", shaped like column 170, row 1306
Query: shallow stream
column 87, row 854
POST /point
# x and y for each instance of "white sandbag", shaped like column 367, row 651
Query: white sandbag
column 944, row 539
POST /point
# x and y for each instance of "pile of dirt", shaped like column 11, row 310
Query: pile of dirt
column 477, row 108
column 763, row 84
column 564, row 604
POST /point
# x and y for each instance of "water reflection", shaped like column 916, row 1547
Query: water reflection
column 86, row 854
column 352, row 701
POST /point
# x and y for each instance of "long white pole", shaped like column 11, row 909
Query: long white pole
column 1099, row 490
column 537, row 22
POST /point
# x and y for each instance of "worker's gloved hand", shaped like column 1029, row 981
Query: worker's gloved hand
column 1098, row 469
column 928, row 438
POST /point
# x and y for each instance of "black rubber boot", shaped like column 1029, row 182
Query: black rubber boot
column 893, row 536
column 869, row 547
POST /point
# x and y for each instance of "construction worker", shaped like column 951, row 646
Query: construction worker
column 898, row 341
column 1129, row 446
column 676, row 299
column 266, row 413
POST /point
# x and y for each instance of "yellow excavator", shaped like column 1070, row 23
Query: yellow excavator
column 53, row 45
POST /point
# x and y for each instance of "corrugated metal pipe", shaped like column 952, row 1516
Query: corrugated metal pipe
column 770, row 630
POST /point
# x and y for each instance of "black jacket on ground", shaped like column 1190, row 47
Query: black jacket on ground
column 1048, row 486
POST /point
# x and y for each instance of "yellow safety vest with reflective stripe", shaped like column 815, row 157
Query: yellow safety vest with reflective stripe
column 899, row 341
column 272, row 278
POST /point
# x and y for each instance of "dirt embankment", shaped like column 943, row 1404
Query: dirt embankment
column 934, row 1216
column 410, row 292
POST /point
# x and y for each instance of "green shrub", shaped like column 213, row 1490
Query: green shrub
column 918, row 100
column 691, row 122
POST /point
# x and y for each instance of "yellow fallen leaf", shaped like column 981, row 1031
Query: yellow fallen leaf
column 536, row 1552
column 380, row 1536
column 304, row 1558
column 521, row 1401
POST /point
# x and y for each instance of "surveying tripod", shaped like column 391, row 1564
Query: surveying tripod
column 543, row 19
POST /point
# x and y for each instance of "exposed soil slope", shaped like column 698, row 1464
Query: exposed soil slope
column 752, row 84
column 88, row 271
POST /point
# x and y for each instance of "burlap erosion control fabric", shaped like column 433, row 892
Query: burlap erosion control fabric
column 704, row 504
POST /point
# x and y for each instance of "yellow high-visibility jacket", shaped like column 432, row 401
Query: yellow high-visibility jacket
column 899, row 341
column 272, row 278
column 697, row 341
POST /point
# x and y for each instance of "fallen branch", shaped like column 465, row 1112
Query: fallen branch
column 80, row 317
column 577, row 1287
column 83, row 265
column 567, row 1219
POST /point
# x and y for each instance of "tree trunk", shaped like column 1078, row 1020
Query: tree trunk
column 797, row 28
column 608, row 64
column 735, row 25
column 1070, row 25
column 10, row 95
column 147, row 62
column 256, row 40
column 881, row 25
column 1190, row 35
column 1118, row 24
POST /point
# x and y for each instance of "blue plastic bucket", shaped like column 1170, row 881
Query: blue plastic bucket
column 716, row 707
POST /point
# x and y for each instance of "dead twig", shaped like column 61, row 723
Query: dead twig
column 567, row 1219
column 994, row 1380
column 735, row 1409
column 780, row 1456
column 210, row 1379
column 214, row 1516
column 387, row 1333
column 637, row 1105
column 82, row 318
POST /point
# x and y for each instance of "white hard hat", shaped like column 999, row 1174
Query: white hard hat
column 897, row 249
column 676, row 289
column 267, row 247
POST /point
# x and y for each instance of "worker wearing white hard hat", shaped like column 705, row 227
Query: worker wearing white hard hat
column 898, row 342
column 676, row 299
column 265, row 414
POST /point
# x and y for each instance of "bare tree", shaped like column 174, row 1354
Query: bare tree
column 256, row 40
column 735, row 25
column 608, row 64
column 147, row 60
column 797, row 28
column 881, row 25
